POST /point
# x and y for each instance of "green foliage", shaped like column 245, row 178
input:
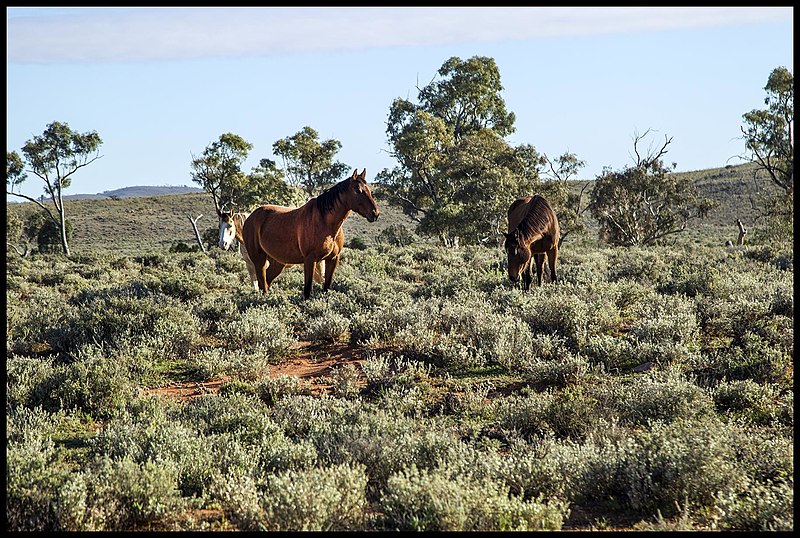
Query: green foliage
column 643, row 204
column 15, row 170
column 47, row 233
column 266, row 184
column 218, row 169
column 53, row 157
column 768, row 139
column 396, row 235
column 309, row 162
column 457, row 175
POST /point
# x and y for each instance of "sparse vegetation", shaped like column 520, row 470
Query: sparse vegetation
column 652, row 388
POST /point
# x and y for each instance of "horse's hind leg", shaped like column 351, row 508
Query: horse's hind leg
column 259, row 267
column 272, row 271
column 539, row 268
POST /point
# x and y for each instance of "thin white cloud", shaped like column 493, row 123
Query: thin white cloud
column 109, row 35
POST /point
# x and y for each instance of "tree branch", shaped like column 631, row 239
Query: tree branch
column 196, row 233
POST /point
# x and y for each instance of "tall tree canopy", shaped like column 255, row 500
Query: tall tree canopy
column 53, row 157
column 309, row 162
column 769, row 142
column 457, row 175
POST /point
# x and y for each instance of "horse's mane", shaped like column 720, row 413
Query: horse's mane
column 536, row 221
column 327, row 200
column 238, row 222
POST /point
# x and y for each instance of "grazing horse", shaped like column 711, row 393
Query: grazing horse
column 533, row 231
column 276, row 236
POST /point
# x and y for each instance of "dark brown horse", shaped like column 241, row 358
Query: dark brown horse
column 533, row 232
column 277, row 236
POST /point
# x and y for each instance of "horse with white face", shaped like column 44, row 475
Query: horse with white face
column 230, row 229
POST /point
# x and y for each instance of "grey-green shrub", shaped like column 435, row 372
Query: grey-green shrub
column 261, row 329
column 657, row 396
column 758, row 507
column 118, row 495
column 318, row 499
column 670, row 465
column 437, row 500
column 34, row 475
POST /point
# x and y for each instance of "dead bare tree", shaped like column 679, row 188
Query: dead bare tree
column 23, row 253
column 197, row 233
column 571, row 213
column 742, row 232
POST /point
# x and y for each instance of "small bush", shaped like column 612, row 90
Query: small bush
column 435, row 500
column 319, row 499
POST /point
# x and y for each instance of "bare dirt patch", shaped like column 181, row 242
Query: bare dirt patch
column 313, row 363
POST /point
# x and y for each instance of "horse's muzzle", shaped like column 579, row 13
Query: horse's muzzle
column 372, row 217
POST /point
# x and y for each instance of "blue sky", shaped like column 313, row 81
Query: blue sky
column 161, row 84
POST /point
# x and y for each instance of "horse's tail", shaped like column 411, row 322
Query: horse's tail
column 319, row 271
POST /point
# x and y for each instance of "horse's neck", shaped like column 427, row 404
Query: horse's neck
column 238, row 223
column 336, row 217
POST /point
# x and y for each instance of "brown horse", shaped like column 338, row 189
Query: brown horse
column 533, row 231
column 277, row 236
column 230, row 227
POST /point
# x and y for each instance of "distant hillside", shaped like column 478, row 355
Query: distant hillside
column 137, row 192
column 132, row 220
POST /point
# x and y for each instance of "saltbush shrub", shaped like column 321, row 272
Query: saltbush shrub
column 437, row 500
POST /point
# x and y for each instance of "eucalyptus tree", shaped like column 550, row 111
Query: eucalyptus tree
column 266, row 183
column 309, row 161
column 769, row 142
column 643, row 204
column 53, row 157
column 456, row 174
column 219, row 169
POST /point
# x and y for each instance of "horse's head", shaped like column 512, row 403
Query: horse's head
column 519, row 254
column 360, row 198
column 227, row 230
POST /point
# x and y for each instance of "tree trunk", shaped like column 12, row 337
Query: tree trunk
column 63, row 224
column 742, row 232
column 196, row 233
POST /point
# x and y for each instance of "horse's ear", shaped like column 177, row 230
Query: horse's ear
column 363, row 173
column 355, row 174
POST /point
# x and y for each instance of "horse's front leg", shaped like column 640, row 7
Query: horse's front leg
column 330, row 268
column 552, row 256
column 527, row 275
column 308, row 272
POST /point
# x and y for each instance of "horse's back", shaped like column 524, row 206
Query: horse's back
column 273, row 229
column 538, row 213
